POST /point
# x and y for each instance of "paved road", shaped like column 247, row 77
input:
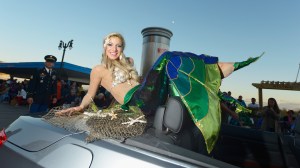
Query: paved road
column 9, row 113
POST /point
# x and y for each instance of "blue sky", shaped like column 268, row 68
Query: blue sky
column 233, row 30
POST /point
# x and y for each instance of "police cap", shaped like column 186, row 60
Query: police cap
column 50, row 58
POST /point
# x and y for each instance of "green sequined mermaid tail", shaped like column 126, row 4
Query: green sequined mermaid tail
column 196, row 79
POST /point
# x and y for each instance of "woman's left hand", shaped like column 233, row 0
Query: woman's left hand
column 70, row 111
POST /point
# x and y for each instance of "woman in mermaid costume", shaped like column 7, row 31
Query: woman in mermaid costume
column 196, row 79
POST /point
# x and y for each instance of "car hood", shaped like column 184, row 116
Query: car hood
column 34, row 134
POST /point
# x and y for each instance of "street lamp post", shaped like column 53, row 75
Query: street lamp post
column 64, row 46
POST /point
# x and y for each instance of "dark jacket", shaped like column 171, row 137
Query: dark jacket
column 42, row 86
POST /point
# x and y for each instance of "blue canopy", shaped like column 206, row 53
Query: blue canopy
column 26, row 69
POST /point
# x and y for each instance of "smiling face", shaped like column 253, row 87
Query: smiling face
column 113, row 47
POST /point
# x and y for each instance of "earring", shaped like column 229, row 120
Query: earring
column 121, row 56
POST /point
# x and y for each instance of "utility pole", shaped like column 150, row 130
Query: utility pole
column 297, row 74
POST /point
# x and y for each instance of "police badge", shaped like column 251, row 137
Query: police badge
column 42, row 75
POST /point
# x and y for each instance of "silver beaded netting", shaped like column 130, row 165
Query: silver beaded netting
column 108, row 123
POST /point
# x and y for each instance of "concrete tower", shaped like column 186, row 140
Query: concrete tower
column 156, row 41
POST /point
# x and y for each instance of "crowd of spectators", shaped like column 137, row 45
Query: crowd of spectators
column 268, row 118
column 69, row 93
column 13, row 92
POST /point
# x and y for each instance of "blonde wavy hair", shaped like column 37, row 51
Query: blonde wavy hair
column 122, row 63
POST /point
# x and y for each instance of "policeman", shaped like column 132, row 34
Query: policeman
column 42, row 86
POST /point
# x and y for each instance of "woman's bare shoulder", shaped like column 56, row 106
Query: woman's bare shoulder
column 99, row 68
column 97, row 71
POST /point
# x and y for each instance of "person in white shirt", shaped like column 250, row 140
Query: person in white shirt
column 255, row 116
column 253, row 104
column 21, row 95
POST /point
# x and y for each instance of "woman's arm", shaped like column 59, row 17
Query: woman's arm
column 95, row 81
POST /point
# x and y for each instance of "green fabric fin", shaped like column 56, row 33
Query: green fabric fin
column 239, row 65
column 231, row 100
column 198, row 84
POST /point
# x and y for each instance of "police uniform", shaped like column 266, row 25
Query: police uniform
column 42, row 87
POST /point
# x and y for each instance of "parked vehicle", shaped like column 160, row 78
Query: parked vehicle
column 32, row 142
